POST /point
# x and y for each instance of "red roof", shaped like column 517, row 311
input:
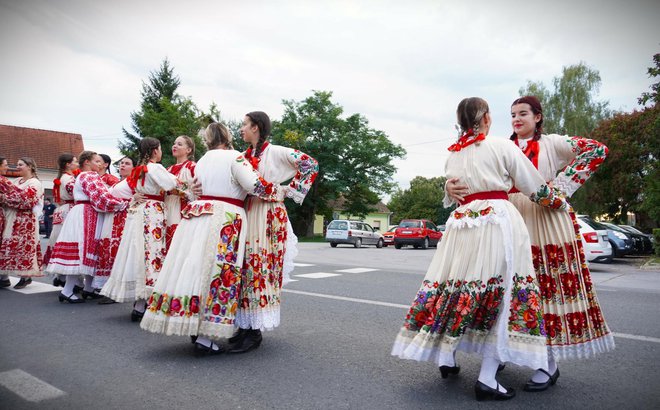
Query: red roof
column 44, row 146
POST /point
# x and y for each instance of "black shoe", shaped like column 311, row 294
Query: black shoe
column 5, row 283
column 106, row 301
column 136, row 316
column 193, row 339
column 77, row 289
column 250, row 341
column 484, row 392
column 58, row 282
column 201, row 350
column 445, row 371
column 500, row 367
column 62, row 298
column 238, row 336
column 533, row 386
column 91, row 295
column 23, row 283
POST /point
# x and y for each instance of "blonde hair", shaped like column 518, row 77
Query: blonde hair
column 191, row 144
column 30, row 163
column 217, row 134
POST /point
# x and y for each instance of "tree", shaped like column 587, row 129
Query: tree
column 653, row 95
column 571, row 107
column 355, row 160
column 423, row 200
column 164, row 115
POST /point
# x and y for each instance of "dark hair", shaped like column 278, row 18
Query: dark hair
column 62, row 161
column 31, row 163
column 2, row 159
column 191, row 144
column 106, row 160
column 535, row 104
column 216, row 135
column 146, row 147
column 85, row 156
column 469, row 113
column 262, row 121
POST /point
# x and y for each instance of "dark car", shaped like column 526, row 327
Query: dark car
column 642, row 242
column 621, row 241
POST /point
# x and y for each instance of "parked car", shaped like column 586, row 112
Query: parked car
column 596, row 244
column 621, row 241
column 388, row 237
column 356, row 233
column 643, row 242
column 418, row 233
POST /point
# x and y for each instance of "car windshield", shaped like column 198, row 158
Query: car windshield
column 392, row 229
column 596, row 225
column 410, row 224
column 614, row 227
column 343, row 225
column 633, row 230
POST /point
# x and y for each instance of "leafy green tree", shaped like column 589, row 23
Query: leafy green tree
column 653, row 95
column 423, row 200
column 164, row 114
column 571, row 107
column 355, row 160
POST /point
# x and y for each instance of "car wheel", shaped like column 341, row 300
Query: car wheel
column 358, row 243
column 397, row 245
column 333, row 244
column 425, row 244
column 379, row 244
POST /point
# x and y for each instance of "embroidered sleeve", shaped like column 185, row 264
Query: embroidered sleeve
column 68, row 187
column 17, row 198
column 585, row 156
column 98, row 194
column 550, row 198
column 248, row 178
column 307, row 168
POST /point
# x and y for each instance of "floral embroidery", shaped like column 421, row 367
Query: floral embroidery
column 194, row 209
column 589, row 156
column 549, row 197
column 469, row 213
column 154, row 241
column 182, row 306
column 526, row 313
column 307, row 170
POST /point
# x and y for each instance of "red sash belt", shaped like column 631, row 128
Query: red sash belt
column 513, row 190
column 233, row 201
column 82, row 202
column 69, row 201
column 160, row 198
column 485, row 195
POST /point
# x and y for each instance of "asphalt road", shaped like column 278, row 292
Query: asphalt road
column 332, row 350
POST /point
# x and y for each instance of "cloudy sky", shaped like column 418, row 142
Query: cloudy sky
column 77, row 66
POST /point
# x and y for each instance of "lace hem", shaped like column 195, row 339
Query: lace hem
column 298, row 197
column 585, row 350
column 290, row 253
column 262, row 319
column 119, row 292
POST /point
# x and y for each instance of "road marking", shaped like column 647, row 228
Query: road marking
column 34, row 287
column 28, row 387
column 317, row 275
column 400, row 306
column 302, row 265
column 357, row 270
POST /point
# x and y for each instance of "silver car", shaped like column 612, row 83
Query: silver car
column 356, row 233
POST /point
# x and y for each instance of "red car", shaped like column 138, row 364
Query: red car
column 418, row 233
column 388, row 237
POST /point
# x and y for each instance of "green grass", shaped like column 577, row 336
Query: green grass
column 312, row 239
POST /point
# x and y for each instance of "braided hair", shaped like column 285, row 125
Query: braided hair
column 262, row 121
column 217, row 134
column 535, row 105
column 469, row 113
column 62, row 161
column 146, row 148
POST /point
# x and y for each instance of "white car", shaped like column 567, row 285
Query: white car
column 356, row 233
column 597, row 247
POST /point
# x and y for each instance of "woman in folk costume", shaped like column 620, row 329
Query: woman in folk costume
column 270, row 242
column 479, row 294
column 575, row 326
column 107, row 178
column 4, row 166
column 75, row 253
column 67, row 165
column 113, row 226
column 142, row 248
column 22, row 202
column 198, row 290
column 183, row 150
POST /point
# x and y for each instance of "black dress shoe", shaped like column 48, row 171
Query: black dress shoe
column 91, row 295
column 484, row 392
column 238, row 336
column 5, row 283
column 250, row 341
column 500, row 367
column 62, row 298
column 533, row 386
column 77, row 289
column 23, row 283
column 201, row 350
column 136, row 316
column 193, row 339
column 58, row 282
column 445, row 371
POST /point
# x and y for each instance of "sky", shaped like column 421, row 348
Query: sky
column 78, row 66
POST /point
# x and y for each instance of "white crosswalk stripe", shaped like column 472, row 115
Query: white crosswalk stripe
column 317, row 275
column 32, row 288
column 28, row 387
column 357, row 270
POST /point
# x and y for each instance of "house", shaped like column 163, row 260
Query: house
column 379, row 218
column 44, row 146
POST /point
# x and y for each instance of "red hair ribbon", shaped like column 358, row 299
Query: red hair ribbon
column 465, row 141
column 139, row 172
